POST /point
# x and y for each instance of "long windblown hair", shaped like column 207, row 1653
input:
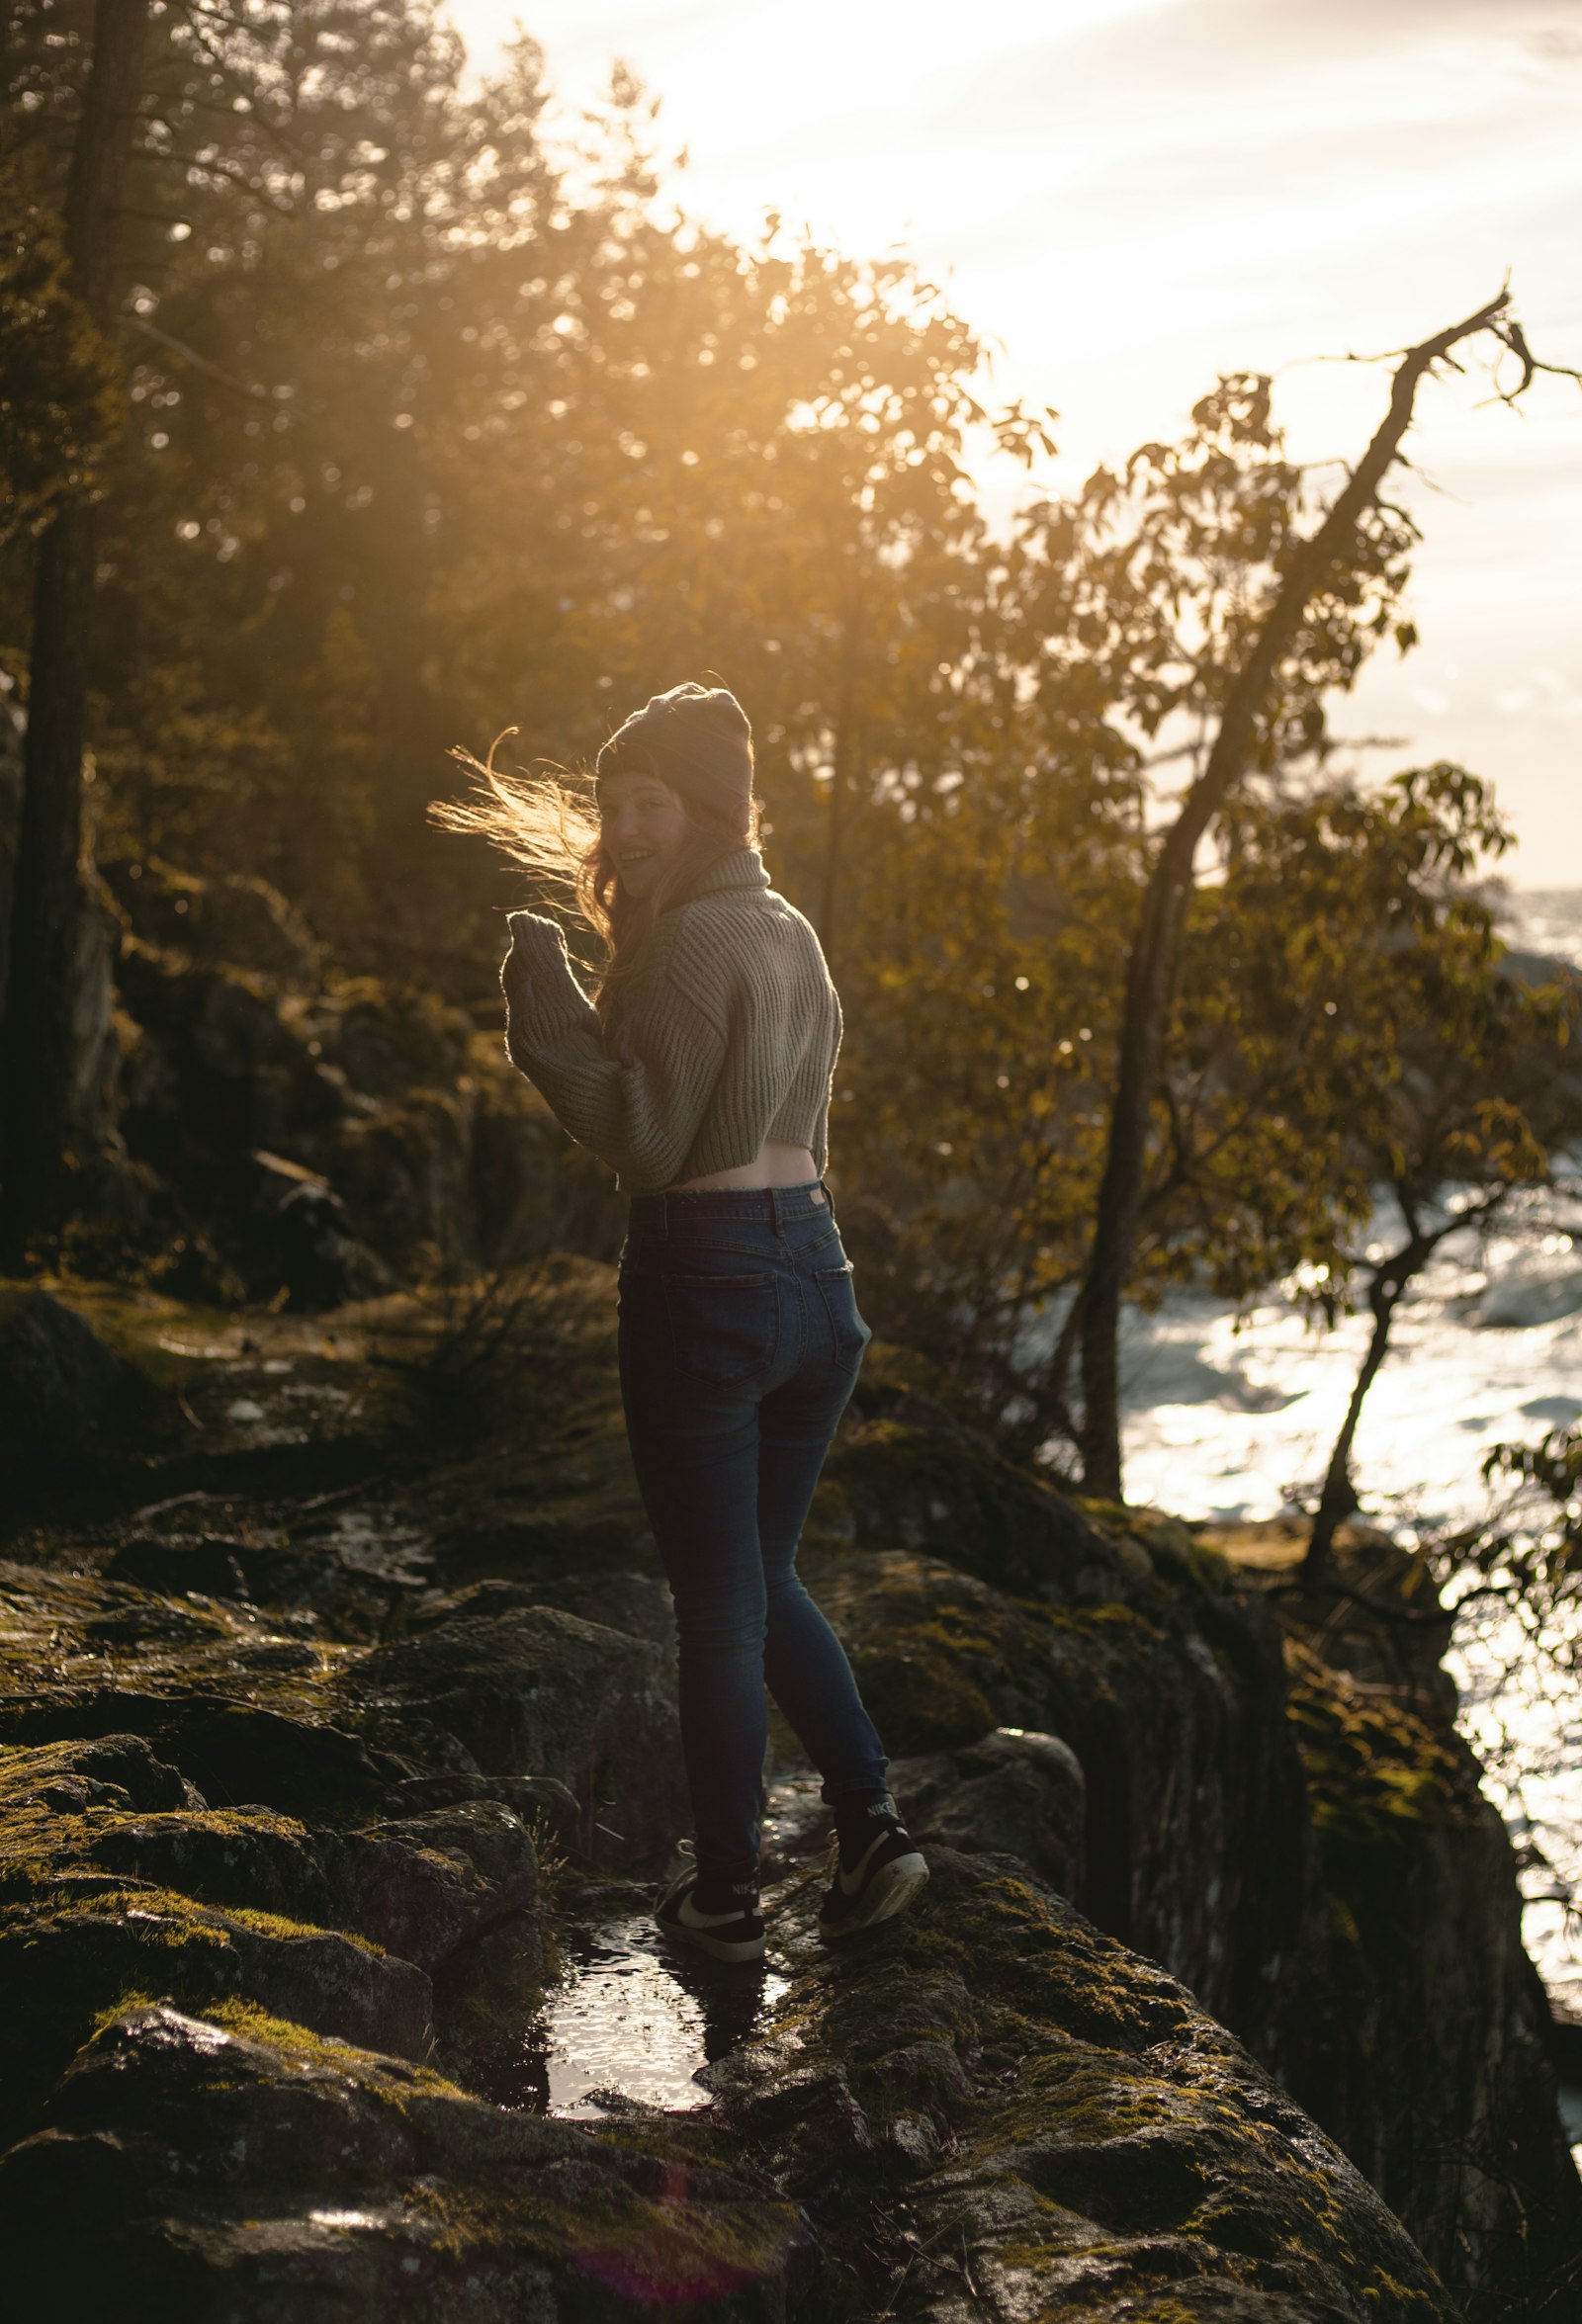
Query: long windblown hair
column 549, row 825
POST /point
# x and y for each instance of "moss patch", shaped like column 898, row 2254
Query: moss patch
column 1373, row 1761
column 1094, row 2136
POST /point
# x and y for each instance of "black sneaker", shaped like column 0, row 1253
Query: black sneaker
column 876, row 1872
column 733, row 1936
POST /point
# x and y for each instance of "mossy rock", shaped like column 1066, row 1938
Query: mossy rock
column 538, row 1689
column 920, row 1700
column 238, row 1752
column 329, row 1732
column 912, row 1472
column 69, row 1953
column 115, row 1877
column 1374, row 1761
column 231, row 917
column 1011, row 1791
column 292, row 1739
column 69, row 1397
column 230, row 2166
column 992, row 2096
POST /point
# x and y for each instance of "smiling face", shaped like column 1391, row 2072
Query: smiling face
column 640, row 821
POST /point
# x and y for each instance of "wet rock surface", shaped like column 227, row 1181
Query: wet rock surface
column 338, row 1757
column 1043, row 2123
column 237, row 2168
column 66, row 1396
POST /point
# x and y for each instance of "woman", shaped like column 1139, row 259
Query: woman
column 701, row 1071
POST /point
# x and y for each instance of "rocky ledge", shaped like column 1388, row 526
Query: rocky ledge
column 338, row 1702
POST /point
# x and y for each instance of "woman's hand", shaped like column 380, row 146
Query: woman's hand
column 536, row 975
column 523, row 925
column 537, row 943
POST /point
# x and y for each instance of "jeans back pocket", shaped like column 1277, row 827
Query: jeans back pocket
column 848, row 1333
column 724, row 1327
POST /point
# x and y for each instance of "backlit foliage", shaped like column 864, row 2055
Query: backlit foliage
column 434, row 428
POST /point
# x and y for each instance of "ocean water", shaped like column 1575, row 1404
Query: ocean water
column 1228, row 1417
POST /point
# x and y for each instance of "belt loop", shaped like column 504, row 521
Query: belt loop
column 775, row 1200
column 829, row 1198
column 661, row 1225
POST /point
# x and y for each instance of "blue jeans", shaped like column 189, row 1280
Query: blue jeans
column 740, row 1345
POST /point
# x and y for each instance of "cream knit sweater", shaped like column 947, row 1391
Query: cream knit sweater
column 726, row 1035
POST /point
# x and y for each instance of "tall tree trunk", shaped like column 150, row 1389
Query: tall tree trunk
column 1390, row 1281
column 1049, row 1388
column 35, row 1041
column 1338, row 1500
column 1153, row 955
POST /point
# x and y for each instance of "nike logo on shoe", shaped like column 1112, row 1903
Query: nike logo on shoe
column 735, row 1935
column 883, row 1881
column 851, row 1882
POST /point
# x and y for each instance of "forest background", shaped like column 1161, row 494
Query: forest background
column 397, row 424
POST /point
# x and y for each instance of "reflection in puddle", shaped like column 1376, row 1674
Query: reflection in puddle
column 632, row 2020
column 636, row 2018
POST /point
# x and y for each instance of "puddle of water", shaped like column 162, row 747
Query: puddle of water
column 630, row 2019
column 638, row 2021
column 368, row 1541
column 636, row 2018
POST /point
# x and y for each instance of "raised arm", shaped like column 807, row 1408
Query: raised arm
column 639, row 1105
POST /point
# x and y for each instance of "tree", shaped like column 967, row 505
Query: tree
column 58, row 408
column 423, row 443
column 979, row 1003
column 1482, row 1111
column 1509, row 1583
column 985, row 1021
column 308, row 192
column 1526, row 1554
column 36, row 1037
column 1292, row 613
column 1002, row 885
column 770, row 482
column 1335, row 923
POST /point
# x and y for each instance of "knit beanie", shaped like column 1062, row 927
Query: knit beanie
column 696, row 739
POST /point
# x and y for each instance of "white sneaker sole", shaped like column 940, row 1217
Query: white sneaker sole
column 890, row 1892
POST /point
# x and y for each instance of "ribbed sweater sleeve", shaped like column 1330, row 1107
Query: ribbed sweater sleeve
column 637, row 1100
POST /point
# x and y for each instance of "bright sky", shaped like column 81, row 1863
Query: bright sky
column 1125, row 197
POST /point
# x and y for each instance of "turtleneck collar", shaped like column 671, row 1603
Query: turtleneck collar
column 741, row 868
